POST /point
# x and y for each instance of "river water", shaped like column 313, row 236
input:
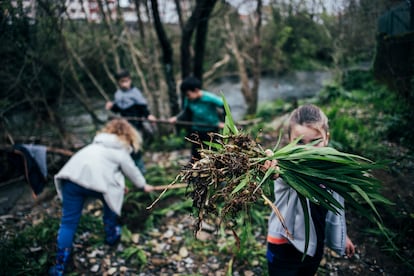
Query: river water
column 297, row 85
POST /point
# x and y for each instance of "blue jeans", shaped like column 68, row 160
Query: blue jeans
column 74, row 197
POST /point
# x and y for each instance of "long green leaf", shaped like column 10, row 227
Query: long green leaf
column 367, row 199
column 305, row 208
column 229, row 125
column 244, row 181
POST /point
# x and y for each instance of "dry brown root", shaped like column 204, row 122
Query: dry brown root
column 213, row 179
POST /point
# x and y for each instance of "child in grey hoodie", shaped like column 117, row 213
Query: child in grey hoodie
column 285, row 250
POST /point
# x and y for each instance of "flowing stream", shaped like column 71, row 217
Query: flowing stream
column 297, row 85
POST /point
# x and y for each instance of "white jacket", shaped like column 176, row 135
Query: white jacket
column 101, row 167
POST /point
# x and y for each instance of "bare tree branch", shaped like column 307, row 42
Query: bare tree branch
column 207, row 75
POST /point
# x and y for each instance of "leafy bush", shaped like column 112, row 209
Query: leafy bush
column 357, row 79
column 173, row 141
column 28, row 252
column 269, row 110
column 363, row 114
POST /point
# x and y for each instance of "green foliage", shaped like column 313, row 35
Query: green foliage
column 269, row 110
column 307, row 43
column 244, row 246
column 229, row 127
column 27, row 252
column 172, row 141
column 159, row 175
column 93, row 225
column 359, row 103
column 136, row 254
column 359, row 79
column 276, row 33
column 364, row 116
column 136, row 201
column 133, row 252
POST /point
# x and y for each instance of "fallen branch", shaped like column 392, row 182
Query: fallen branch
column 12, row 181
column 60, row 151
column 187, row 123
column 170, row 186
column 9, row 148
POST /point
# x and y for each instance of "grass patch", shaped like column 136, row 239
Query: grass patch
column 363, row 115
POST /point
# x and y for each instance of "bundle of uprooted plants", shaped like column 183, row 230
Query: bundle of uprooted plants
column 230, row 176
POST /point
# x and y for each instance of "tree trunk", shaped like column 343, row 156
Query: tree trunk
column 187, row 34
column 412, row 15
column 167, row 59
column 241, row 66
column 257, row 54
column 112, row 37
column 179, row 13
column 201, row 36
column 198, row 20
column 140, row 23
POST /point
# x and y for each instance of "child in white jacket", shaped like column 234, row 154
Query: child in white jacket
column 97, row 171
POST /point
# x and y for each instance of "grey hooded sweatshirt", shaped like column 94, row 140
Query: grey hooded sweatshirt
column 288, row 203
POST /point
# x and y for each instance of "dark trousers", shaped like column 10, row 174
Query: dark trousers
column 286, row 260
column 198, row 137
column 139, row 162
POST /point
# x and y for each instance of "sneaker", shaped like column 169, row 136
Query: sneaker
column 115, row 237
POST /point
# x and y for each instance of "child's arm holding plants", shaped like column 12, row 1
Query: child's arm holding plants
column 271, row 164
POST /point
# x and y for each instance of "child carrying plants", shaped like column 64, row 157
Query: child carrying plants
column 285, row 249
column 313, row 182
column 97, row 171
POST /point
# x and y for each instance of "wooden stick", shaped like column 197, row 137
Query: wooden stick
column 173, row 186
column 180, row 185
column 162, row 121
column 9, row 148
column 12, row 181
column 186, row 123
column 60, row 151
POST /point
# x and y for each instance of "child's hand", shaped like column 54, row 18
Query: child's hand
column 349, row 247
column 148, row 188
column 109, row 105
column 271, row 164
column 221, row 125
column 151, row 118
column 172, row 120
